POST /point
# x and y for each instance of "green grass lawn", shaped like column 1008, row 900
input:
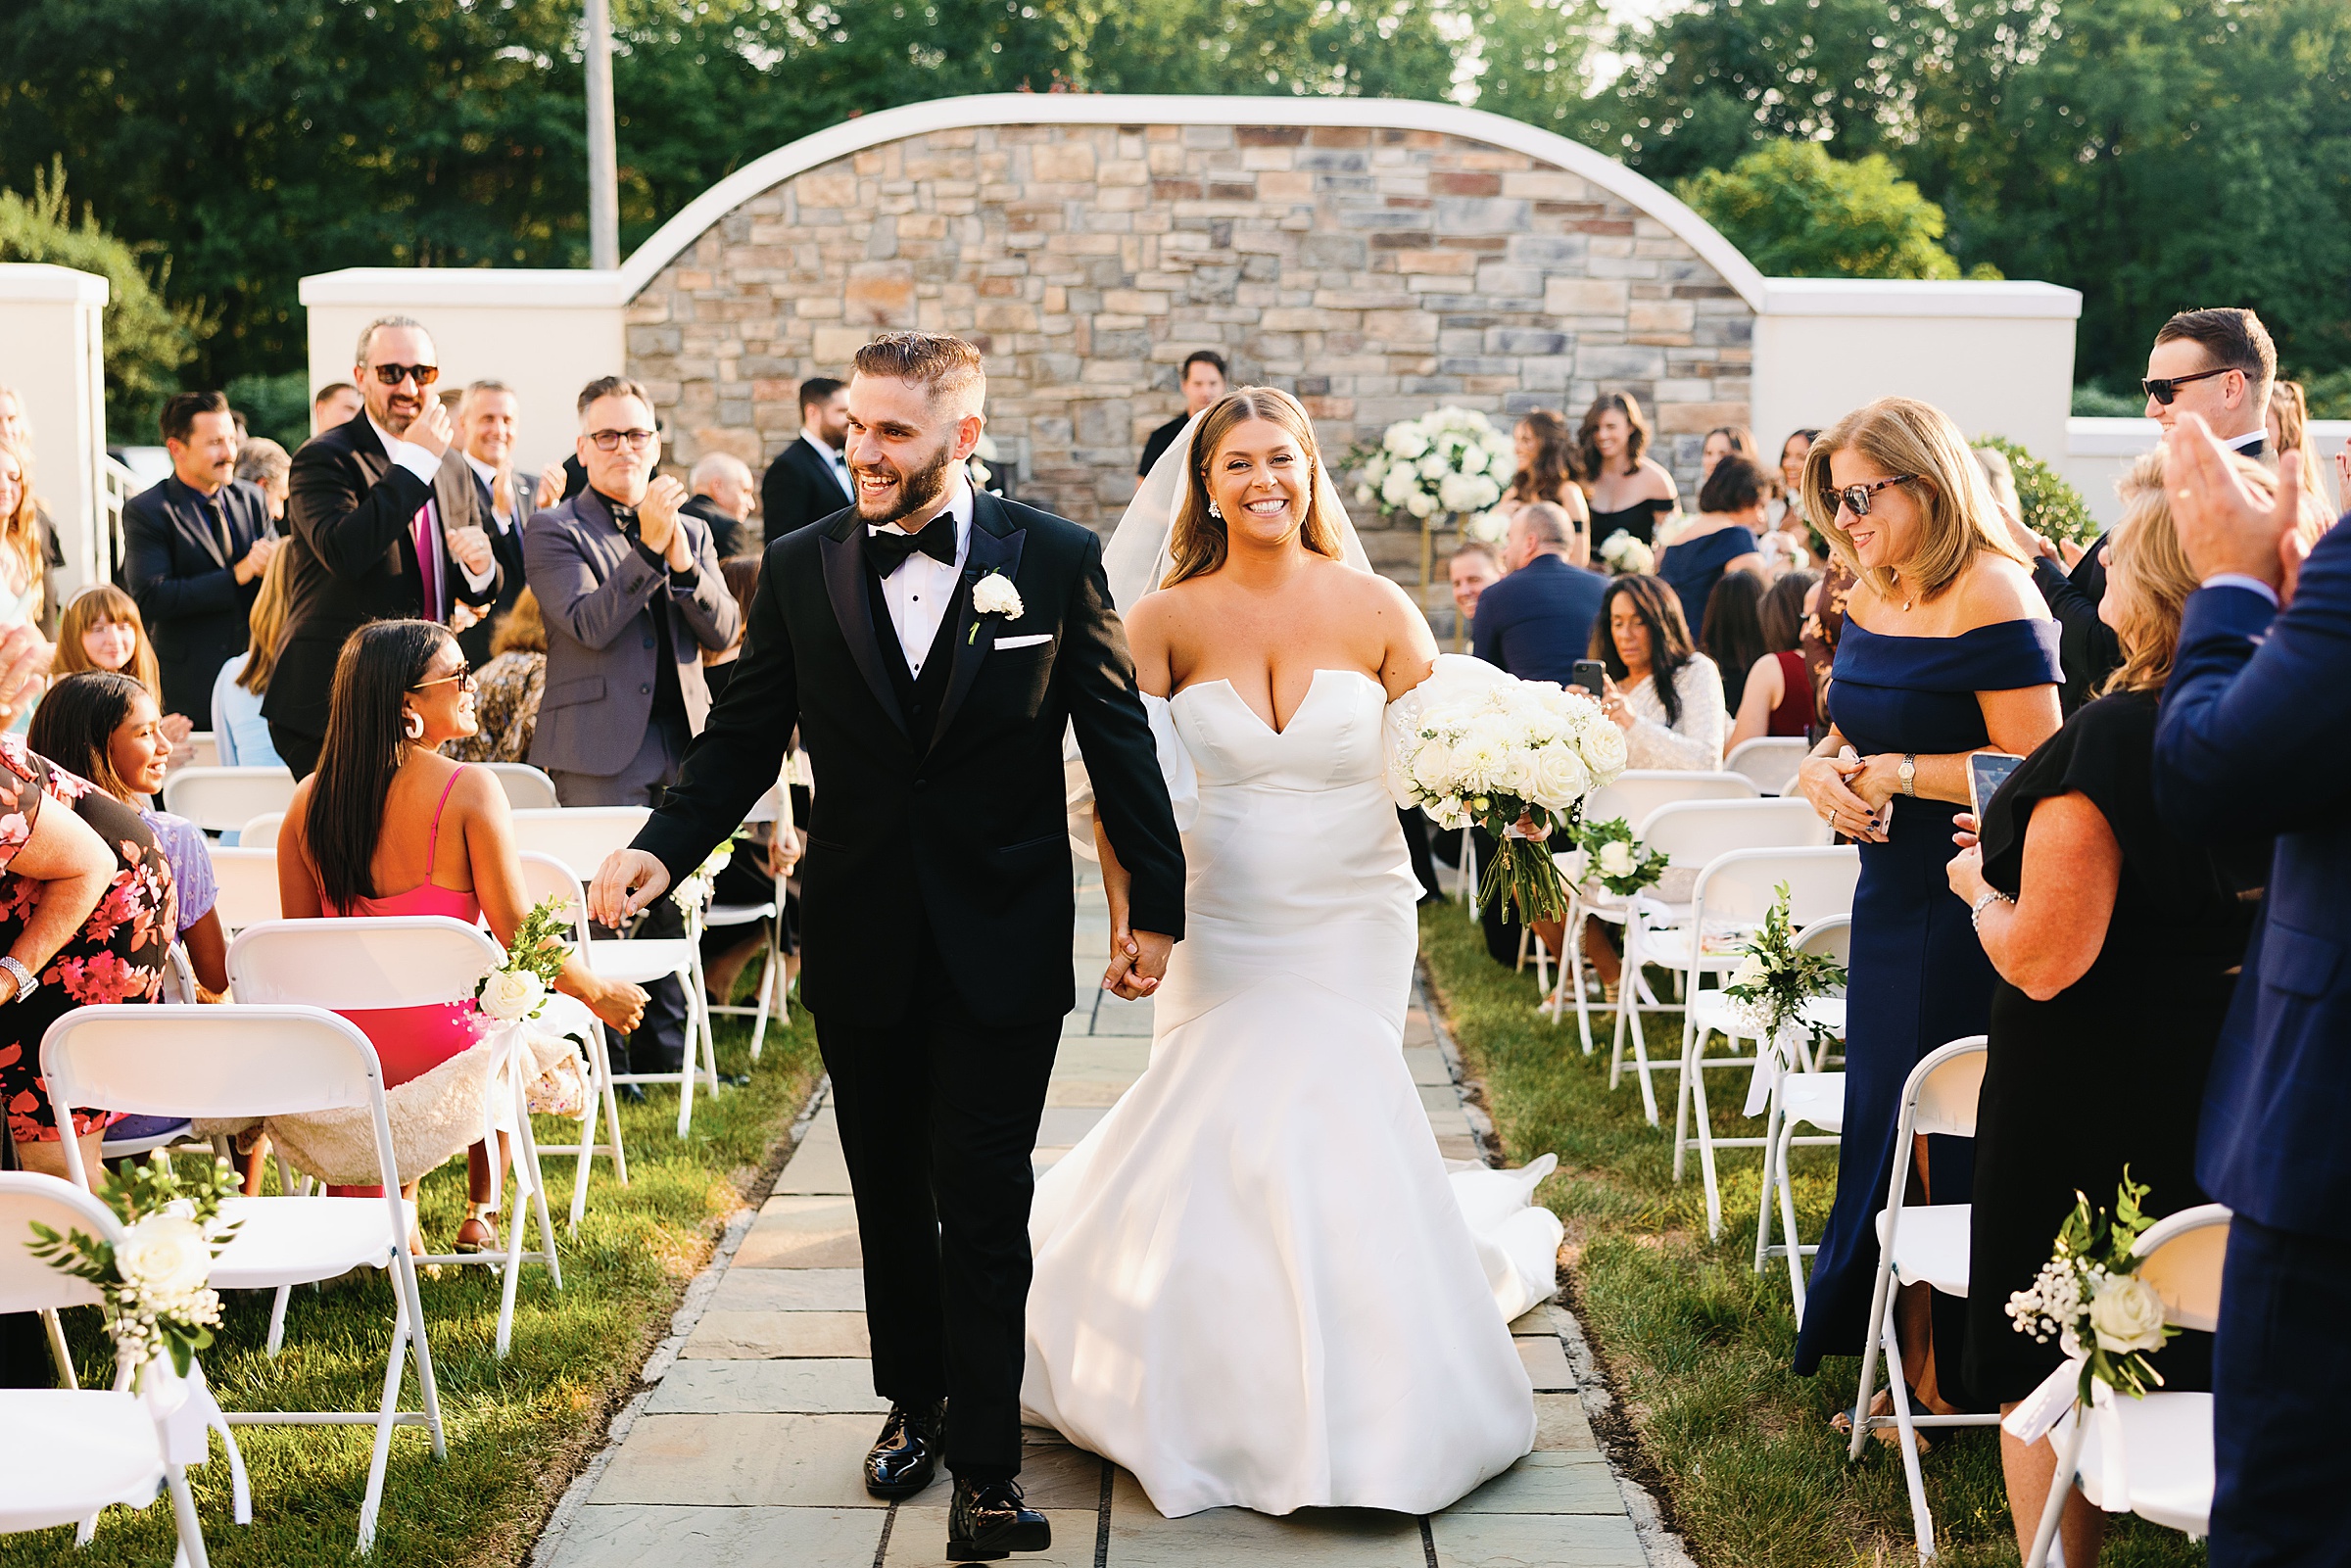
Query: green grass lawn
column 518, row 1429
column 1697, row 1344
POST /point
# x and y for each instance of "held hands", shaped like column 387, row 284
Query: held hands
column 2223, row 526
column 432, row 429
column 1138, row 962
column 627, row 882
column 1836, row 789
column 257, row 559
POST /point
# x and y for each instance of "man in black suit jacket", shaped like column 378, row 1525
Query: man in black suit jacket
column 724, row 494
column 937, row 904
column 485, row 444
column 194, row 549
column 809, row 479
column 383, row 528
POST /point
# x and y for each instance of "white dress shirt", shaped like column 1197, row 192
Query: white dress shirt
column 920, row 592
column 834, row 462
column 420, row 461
column 2239, row 578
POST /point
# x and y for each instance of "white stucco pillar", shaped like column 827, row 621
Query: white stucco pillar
column 52, row 352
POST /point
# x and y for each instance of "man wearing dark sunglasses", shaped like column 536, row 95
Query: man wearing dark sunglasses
column 2218, row 365
column 384, row 523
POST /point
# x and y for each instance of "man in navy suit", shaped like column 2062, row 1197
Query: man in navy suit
column 2255, row 740
column 194, row 549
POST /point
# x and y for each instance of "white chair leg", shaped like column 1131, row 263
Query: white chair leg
column 1878, row 1308
column 277, row 1319
column 1691, row 1046
column 1693, row 1075
column 1922, row 1522
column 596, row 1090
column 428, row 1383
column 58, row 1351
column 184, row 1520
column 1795, row 1249
column 620, row 1147
column 394, row 1361
column 1771, row 1176
column 547, row 1227
column 687, row 1067
column 770, row 966
column 1628, row 981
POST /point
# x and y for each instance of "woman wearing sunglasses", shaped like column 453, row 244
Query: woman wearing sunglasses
column 1947, row 649
column 388, row 826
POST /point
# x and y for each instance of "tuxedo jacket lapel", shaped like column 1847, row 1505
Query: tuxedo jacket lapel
column 843, row 554
column 185, row 508
column 995, row 547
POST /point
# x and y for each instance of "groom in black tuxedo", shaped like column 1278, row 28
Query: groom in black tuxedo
column 936, row 894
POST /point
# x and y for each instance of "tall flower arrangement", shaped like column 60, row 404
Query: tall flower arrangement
column 1451, row 460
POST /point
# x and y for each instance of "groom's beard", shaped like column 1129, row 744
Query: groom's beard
column 915, row 491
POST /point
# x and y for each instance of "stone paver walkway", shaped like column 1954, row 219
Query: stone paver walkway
column 746, row 1453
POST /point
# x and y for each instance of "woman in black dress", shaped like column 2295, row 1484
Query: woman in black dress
column 2117, row 947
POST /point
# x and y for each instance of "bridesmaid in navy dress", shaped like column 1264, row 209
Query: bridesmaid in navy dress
column 1948, row 648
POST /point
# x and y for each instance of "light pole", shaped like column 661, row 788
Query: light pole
column 604, row 157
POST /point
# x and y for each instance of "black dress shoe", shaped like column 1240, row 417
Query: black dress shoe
column 904, row 1458
column 988, row 1521
column 628, row 1093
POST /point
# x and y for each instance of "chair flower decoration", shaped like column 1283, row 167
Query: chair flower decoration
column 1617, row 860
column 155, row 1285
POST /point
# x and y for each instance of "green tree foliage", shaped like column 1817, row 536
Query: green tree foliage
column 1796, row 211
column 277, row 406
column 2154, row 154
column 146, row 340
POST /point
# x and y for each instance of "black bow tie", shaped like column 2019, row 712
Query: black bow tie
column 889, row 548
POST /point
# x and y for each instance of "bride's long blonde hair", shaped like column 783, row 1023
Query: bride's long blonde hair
column 1197, row 545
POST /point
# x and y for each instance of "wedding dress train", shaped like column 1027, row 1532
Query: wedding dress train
column 1255, row 1283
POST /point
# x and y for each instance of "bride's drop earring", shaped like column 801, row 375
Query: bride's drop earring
column 412, row 724
column 1215, row 511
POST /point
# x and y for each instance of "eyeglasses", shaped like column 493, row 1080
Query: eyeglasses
column 464, row 678
column 391, row 375
column 611, row 439
column 2163, row 389
column 1855, row 498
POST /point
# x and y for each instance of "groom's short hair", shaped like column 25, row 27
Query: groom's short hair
column 947, row 366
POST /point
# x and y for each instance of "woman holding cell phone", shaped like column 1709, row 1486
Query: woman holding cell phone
column 2117, row 947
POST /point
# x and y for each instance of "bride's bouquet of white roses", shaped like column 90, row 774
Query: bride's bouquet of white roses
column 1507, row 753
column 155, row 1286
column 1626, row 556
column 1617, row 860
column 1450, row 460
column 2090, row 1300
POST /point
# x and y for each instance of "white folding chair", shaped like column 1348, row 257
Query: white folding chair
column 405, row 960
column 544, row 877
column 67, row 1454
column 1770, row 760
column 1635, row 795
column 2159, row 1445
column 223, row 799
column 1798, row 1094
column 247, row 879
column 1694, row 833
column 775, row 982
column 202, row 749
column 527, row 787
column 238, row 1061
column 578, row 838
column 1921, row 1244
column 261, row 833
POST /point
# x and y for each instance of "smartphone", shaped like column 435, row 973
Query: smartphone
column 1591, row 675
column 1986, row 771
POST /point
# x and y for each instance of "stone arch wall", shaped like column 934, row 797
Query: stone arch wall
column 1376, row 270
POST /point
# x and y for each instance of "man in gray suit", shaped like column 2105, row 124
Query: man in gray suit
column 629, row 587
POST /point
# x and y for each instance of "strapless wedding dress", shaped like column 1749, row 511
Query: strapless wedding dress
column 1256, row 1284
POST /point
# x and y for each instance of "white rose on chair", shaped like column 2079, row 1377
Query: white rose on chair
column 1615, row 858
column 2127, row 1316
column 511, row 995
column 166, row 1256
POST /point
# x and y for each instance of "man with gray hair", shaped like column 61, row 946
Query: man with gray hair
column 724, row 494
column 383, row 524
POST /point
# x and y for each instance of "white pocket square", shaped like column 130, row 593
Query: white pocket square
column 1005, row 644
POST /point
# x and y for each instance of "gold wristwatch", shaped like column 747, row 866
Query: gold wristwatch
column 1908, row 774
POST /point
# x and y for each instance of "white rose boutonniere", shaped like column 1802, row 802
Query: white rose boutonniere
column 994, row 594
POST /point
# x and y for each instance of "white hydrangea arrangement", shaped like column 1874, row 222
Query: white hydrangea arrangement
column 156, row 1290
column 2089, row 1298
column 1451, row 460
column 1508, row 752
column 1626, row 556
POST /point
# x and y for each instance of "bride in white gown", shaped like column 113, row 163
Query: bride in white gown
column 1255, row 1283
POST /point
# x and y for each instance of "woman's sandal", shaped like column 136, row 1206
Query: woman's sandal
column 1883, row 1404
column 477, row 1234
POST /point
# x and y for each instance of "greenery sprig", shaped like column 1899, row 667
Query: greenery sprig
column 1776, row 977
column 2088, row 1295
column 156, row 1299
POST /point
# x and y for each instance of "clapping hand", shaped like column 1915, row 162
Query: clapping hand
column 471, row 547
column 2223, row 526
column 23, row 661
column 432, row 429
column 256, row 560
column 551, row 480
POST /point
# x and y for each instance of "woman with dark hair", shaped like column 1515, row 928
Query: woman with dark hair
column 1550, row 468
column 385, row 810
column 104, row 727
column 1720, row 538
column 506, row 690
column 1664, row 694
column 1776, row 697
column 1732, row 633
column 742, row 574
column 1628, row 491
column 1725, row 441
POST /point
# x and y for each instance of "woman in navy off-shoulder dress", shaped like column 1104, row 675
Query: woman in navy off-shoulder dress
column 1948, row 648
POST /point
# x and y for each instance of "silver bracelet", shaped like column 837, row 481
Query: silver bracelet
column 1983, row 901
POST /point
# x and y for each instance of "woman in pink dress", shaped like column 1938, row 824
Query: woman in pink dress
column 388, row 826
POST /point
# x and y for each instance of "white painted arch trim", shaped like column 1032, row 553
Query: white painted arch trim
column 703, row 213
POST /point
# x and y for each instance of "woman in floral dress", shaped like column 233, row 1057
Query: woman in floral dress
column 88, row 908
